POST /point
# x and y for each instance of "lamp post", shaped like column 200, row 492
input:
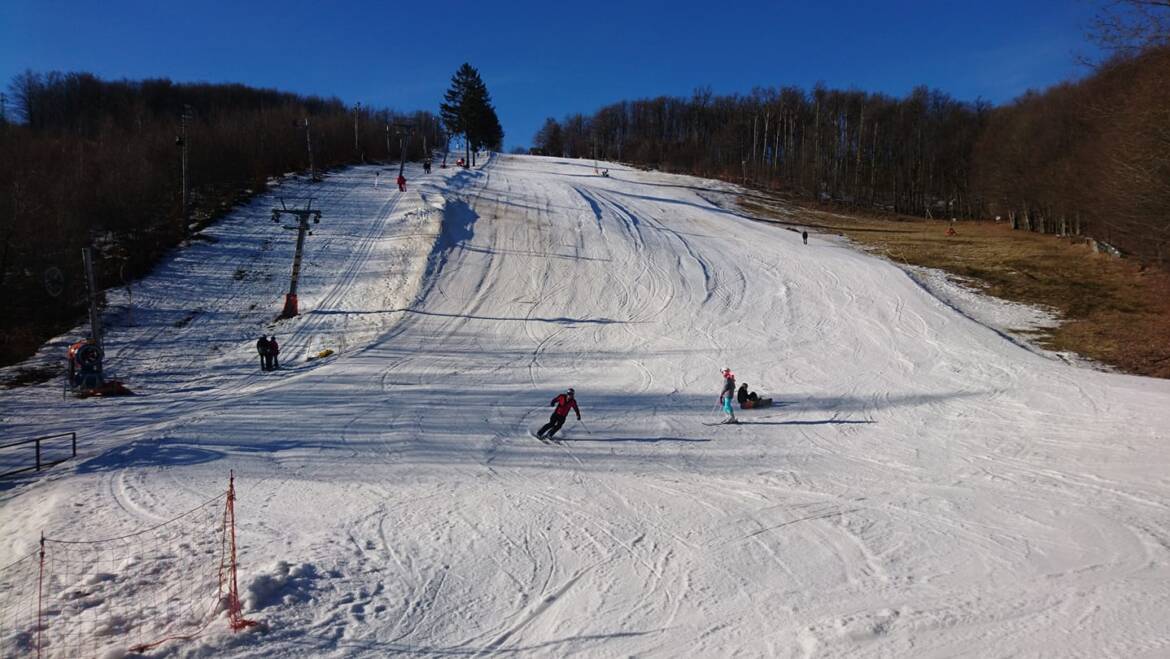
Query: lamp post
column 309, row 145
column 357, row 108
column 181, row 141
column 404, row 132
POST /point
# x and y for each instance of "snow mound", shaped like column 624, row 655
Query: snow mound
column 283, row 583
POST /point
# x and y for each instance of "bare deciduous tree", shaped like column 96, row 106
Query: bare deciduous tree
column 1127, row 27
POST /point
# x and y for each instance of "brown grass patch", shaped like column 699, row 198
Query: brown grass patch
column 1114, row 311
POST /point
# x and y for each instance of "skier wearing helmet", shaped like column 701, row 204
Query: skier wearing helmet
column 563, row 403
column 727, row 394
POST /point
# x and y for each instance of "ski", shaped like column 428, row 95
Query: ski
column 722, row 423
column 546, row 440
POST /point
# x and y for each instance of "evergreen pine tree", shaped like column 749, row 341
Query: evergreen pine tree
column 467, row 110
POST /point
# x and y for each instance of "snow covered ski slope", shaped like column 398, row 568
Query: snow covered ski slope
column 921, row 487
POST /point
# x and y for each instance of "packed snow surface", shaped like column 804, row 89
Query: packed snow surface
column 923, row 486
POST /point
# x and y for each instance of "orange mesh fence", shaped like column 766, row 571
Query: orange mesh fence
column 123, row 594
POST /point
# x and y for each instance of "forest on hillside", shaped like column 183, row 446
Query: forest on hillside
column 1082, row 158
column 908, row 155
column 95, row 162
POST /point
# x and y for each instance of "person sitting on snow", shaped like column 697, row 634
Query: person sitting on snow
column 743, row 396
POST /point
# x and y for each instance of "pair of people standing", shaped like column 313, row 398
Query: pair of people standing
column 269, row 351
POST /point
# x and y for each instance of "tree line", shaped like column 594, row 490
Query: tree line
column 909, row 155
column 90, row 161
column 1091, row 157
column 1084, row 158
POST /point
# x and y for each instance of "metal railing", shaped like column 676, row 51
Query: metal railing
column 39, row 463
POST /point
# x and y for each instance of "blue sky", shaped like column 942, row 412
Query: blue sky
column 551, row 58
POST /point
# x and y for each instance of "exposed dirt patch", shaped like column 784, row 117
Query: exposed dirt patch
column 24, row 377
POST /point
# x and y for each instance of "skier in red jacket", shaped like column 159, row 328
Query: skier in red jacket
column 564, row 403
column 402, row 183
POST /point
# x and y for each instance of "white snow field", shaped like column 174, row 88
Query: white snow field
column 923, row 486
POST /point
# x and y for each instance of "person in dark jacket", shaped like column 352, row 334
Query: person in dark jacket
column 563, row 403
column 273, row 352
column 263, row 348
column 744, row 396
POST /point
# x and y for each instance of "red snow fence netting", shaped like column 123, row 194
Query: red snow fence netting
column 125, row 594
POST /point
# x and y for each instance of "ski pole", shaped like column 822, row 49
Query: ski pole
column 584, row 426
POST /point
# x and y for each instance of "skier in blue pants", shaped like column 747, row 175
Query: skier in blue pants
column 727, row 395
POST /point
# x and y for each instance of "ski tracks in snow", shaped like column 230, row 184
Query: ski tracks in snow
column 922, row 486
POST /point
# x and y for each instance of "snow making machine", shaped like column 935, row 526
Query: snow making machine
column 85, row 372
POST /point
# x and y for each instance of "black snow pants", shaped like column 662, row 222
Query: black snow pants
column 555, row 421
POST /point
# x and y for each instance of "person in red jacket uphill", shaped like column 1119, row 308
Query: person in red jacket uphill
column 401, row 183
column 564, row 403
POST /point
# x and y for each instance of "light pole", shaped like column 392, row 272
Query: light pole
column 95, row 317
column 309, row 145
column 357, row 108
column 181, row 141
column 404, row 132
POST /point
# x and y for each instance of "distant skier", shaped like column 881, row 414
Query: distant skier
column 401, row 183
column 273, row 354
column 563, row 403
column 804, row 235
column 377, row 178
column 263, row 348
column 427, row 166
column 727, row 395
